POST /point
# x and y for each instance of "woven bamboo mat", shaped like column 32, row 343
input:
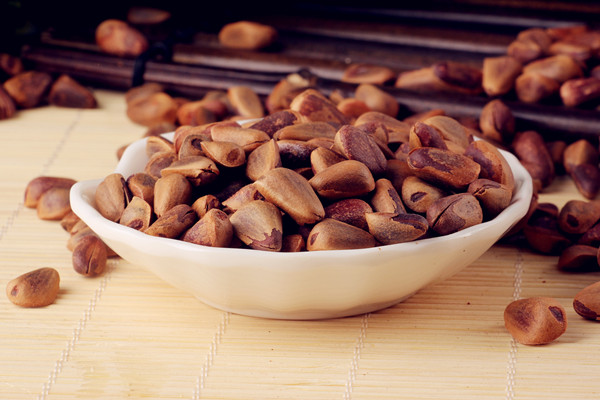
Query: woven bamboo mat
column 128, row 334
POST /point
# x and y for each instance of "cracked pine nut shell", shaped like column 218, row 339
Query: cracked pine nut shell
column 535, row 320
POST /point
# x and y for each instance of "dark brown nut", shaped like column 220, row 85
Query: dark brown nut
column 198, row 170
column 355, row 144
column 562, row 32
column 368, row 73
column 377, row 99
column 137, row 214
column 67, row 92
column 418, row 195
column 493, row 164
column 331, row 234
column 499, row 74
column 350, row 211
column 112, row 196
column 312, row 105
column 451, row 130
column 591, row 237
column 543, row 235
column 247, row 138
column 560, row 68
column 578, row 91
column 443, row 167
column 536, row 35
column 142, row 185
column 556, row 148
column 535, row 320
column 423, row 135
column 293, row 194
column 205, row 203
column 169, row 191
column 530, row 148
column 247, row 35
column 7, row 105
column 28, row 89
column 214, row 229
column 391, row 228
column 158, row 144
column 595, row 72
column 578, row 216
column 69, row 221
column 158, row 162
column 397, row 171
column 139, row 15
column 54, row 204
column 89, row 256
column 227, row 154
column 118, row 38
column 242, row 196
column 493, row 196
column 293, row 243
column 38, row 186
column 353, row 108
column 587, row 180
column 497, row 122
column 349, row 178
column 579, row 152
column 459, row 74
column 154, row 109
column 587, row 302
column 277, row 121
column 37, row 288
column 173, row 223
column 195, row 113
column 578, row 258
column 454, row 213
column 533, row 87
column 258, row 224
column 295, row 153
column 10, row 64
column 322, row 158
column 263, row 159
column 386, row 198
column 525, row 51
column 282, row 94
column 306, row 131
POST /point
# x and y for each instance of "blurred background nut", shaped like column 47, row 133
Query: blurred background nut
column 587, row 302
column 38, row 186
column 245, row 102
column 533, row 87
column 28, row 89
column 10, row 65
column 54, row 204
column 7, row 105
column 36, row 288
column 377, row 99
column 535, row 320
column 119, row 38
column 153, row 109
column 578, row 258
column 247, row 35
column 499, row 74
column 575, row 92
column 368, row 73
column 497, row 122
column 67, row 92
column 531, row 150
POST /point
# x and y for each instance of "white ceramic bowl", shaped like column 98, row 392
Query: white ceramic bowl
column 306, row 285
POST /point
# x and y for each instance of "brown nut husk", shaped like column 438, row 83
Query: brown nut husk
column 497, row 122
column 575, row 92
column 579, row 152
column 331, row 234
column 54, row 204
column 37, row 288
column 89, row 256
column 499, row 74
column 263, row 159
column 391, row 228
column 349, row 178
column 247, row 35
column 578, row 216
column 247, row 138
column 322, row 158
column 377, row 99
column 119, row 38
column 350, row 211
column 386, row 198
column 418, row 195
column 214, row 229
column 243, row 195
column 258, row 224
column 443, row 167
column 578, row 258
column 306, row 131
column 454, row 213
column 227, row 154
column 205, row 203
column 273, row 123
column 28, row 89
column 587, row 180
column 141, row 185
column 493, row 196
column 67, row 92
column 7, row 105
column 158, row 162
column 38, row 186
column 535, row 320
column 530, row 148
column 112, row 196
column 355, row 144
column 245, row 102
column 155, row 109
column 533, row 87
column 170, row 191
column 312, row 105
column 137, row 214
column 368, row 73
column 174, row 222
column 587, row 302
column 198, row 170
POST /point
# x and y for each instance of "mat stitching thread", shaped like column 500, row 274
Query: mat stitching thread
column 210, row 357
column 87, row 314
column 512, row 354
column 358, row 347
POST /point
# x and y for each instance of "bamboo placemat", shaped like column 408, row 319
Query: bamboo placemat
column 127, row 334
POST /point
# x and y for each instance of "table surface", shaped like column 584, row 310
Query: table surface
column 127, row 334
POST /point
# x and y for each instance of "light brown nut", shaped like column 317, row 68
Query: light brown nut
column 67, row 92
column 397, row 170
column 247, row 138
column 169, row 191
column 89, row 256
column 391, row 228
column 386, row 198
column 282, row 94
column 377, row 99
column 293, row 194
column 173, row 222
column 28, row 88
column 118, row 38
column 331, row 234
column 454, row 213
column 351, row 211
column 293, row 243
column 349, row 178
column 11, row 65
column 142, row 91
column 195, row 113
column 154, row 109
column 353, row 108
column 258, row 224
column 355, row 144
column 579, row 152
column 562, row 32
column 418, row 195
column 158, row 144
column 493, row 196
column 587, row 180
column 451, row 130
column 245, row 102
column 535, row 320
column 7, row 105
column 578, row 216
column 312, row 105
column 459, row 75
column 198, row 170
column 214, row 229
column 69, row 221
column 368, row 73
column 497, row 122
column 141, row 185
column 499, row 74
column 578, row 258
column 158, row 162
column 200, row 133
column 322, row 158
column 493, row 164
column 38, row 186
column 277, row 121
column 587, row 302
column 263, row 159
column 227, row 154
column 537, row 35
column 575, row 92
column 530, row 148
column 525, row 51
column 423, row 135
column 560, row 68
column 37, row 288
column 443, row 167
column 397, row 131
column 137, row 214
column 205, row 203
column 242, row 196
column 112, row 196
column 306, row 131
column 580, row 52
column 533, row 87
column 247, row 35
column 191, row 145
